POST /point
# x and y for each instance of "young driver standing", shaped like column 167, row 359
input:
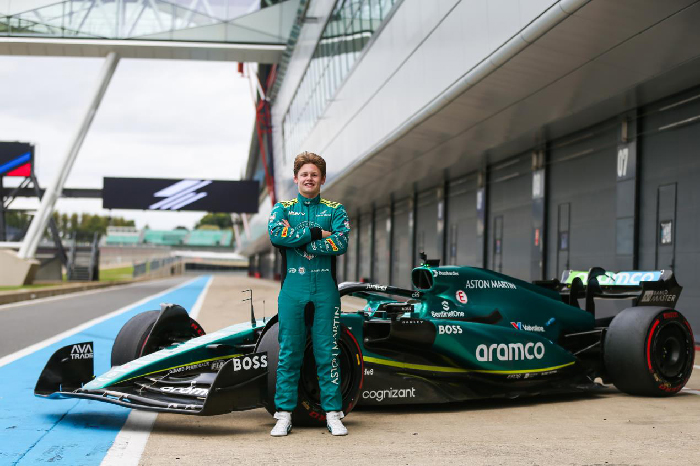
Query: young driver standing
column 310, row 232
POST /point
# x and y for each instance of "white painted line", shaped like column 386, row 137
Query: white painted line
column 690, row 390
column 194, row 312
column 696, row 367
column 129, row 444
column 50, row 341
column 70, row 295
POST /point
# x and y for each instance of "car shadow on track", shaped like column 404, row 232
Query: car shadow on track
column 90, row 420
column 494, row 403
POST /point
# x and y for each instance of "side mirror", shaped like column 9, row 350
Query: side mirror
column 394, row 310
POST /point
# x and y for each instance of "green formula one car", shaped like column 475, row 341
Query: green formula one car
column 461, row 333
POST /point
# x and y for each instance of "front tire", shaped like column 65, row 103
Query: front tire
column 649, row 351
column 308, row 411
column 135, row 338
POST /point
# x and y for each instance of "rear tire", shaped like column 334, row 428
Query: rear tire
column 308, row 411
column 133, row 340
column 649, row 351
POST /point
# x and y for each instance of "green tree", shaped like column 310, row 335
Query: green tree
column 84, row 226
column 223, row 221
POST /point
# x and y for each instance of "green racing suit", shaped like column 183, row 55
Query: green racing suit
column 308, row 276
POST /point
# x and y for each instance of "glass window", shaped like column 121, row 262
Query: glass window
column 347, row 32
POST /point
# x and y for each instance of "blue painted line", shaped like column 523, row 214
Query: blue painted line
column 22, row 159
column 71, row 432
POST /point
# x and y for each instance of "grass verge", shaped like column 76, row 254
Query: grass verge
column 122, row 273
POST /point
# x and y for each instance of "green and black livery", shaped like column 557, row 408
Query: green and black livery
column 461, row 333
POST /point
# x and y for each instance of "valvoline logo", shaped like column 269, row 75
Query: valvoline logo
column 526, row 327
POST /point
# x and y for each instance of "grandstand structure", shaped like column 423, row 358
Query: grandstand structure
column 178, row 238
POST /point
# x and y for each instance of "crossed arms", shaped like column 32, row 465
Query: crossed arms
column 314, row 240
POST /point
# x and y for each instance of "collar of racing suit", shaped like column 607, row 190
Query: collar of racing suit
column 307, row 201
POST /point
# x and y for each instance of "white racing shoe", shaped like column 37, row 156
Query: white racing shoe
column 284, row 424
column 335, row 426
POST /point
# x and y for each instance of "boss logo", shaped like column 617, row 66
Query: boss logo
column 250, row 362
column 449, row 329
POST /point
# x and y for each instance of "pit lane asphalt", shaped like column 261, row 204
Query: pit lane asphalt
column 29, row 322
column 606, row 428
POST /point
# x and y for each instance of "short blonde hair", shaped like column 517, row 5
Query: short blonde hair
column 309, row 157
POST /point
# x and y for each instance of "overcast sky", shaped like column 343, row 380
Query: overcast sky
column 159, row 119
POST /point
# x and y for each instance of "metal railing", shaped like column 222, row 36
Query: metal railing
column 143, row 268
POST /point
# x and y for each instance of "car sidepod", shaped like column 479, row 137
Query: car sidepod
column 411, row 361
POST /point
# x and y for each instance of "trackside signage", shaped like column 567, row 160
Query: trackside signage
column 176, row 195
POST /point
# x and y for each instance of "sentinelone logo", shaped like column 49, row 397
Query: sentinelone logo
column 179, row 195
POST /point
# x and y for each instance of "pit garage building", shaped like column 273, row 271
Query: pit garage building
column 524, row 136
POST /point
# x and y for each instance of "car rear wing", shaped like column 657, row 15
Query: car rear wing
column 648, row 288
column 632, row 278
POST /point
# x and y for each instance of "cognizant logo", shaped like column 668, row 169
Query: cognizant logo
column 380, row 395
column 510, row 351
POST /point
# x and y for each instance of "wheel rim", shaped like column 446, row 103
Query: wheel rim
column 309, row 380
column 671, row 350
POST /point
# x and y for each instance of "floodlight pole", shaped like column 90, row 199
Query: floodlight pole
column 54, row 190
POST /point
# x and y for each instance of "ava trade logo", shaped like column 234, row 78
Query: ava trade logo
column 82, row 351
column 179, row 195
column 526, row 327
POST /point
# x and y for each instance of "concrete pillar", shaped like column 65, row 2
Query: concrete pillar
column 539, row 216
column 481, row 219
column 627, row 193
column 53, row 192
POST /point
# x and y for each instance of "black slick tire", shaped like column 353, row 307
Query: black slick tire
column 308, row 411
column 649, row 351
column 135, row 339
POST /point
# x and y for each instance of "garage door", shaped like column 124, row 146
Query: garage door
column 381, row 245
column 365, row 234
column 582, row 200
column 669, row 147
column 510, row 217
column 461, row 221
column 427, row 225
column 351, row 254
column 401, row 255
